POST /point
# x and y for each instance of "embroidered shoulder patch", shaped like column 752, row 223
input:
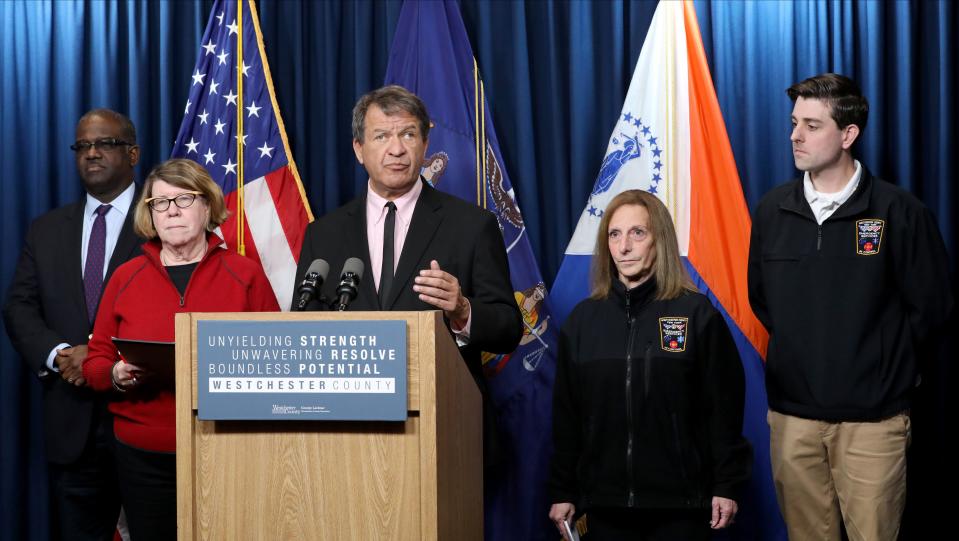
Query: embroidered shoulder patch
column 869, row 236
column 672, row 333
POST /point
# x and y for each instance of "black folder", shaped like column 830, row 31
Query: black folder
column 155, row 359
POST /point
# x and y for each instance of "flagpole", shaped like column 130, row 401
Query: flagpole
column 479, row 181
column 275, row 210
column 240, row 244
column 670, row 198
column 482, row 126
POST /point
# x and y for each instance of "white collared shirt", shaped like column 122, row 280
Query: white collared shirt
column 823, row 205
column 119, row 208
column 115, row 217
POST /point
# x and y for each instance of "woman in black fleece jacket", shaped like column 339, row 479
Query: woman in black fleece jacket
column 649, row 393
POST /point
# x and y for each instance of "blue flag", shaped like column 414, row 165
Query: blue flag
column 431, row 56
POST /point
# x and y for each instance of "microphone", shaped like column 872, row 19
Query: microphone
column 349, row 280
column 311, row 284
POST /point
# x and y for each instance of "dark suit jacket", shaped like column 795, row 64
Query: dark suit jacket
column 46, row 306
column 463, row 238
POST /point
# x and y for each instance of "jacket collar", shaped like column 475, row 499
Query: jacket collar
column 128, row 241
column 355, row 235
column 423, row 226
column 70, row 246
column 152, row 247
column 72, row 243
column 795, row 199
column 638, row 296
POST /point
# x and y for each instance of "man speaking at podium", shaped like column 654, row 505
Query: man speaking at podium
column 422, row 249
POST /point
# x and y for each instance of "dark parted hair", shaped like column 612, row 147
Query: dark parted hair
column 846, row 103
column 671, row 277
column 127, row 131
column 391, row 99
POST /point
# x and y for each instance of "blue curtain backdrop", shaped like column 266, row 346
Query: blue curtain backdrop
column 556, row 75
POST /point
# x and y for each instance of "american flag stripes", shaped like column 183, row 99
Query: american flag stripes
column 232, row 106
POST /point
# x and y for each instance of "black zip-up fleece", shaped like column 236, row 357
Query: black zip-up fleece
column 648, row 404
column 849, row 303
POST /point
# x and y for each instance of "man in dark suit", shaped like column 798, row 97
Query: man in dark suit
column 422, row 249
column 68, row 255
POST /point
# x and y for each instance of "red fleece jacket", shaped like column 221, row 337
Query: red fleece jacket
column 139, row 303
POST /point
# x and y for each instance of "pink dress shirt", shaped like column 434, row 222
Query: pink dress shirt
column 375, row 215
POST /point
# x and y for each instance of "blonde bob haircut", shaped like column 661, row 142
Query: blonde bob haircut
column 671, row 277
column 190, row 176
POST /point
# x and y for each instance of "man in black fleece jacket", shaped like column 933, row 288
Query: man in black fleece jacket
column 849, row 275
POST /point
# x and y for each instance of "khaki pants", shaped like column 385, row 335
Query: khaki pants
column 826, row 472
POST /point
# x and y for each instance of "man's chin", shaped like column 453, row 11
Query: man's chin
column 400, row 184
column 93, row 179
column 404, row 178
column 99, row 184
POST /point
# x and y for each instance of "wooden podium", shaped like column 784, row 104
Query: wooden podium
column 331, row 480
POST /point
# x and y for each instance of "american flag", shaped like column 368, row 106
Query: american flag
column 275, row 209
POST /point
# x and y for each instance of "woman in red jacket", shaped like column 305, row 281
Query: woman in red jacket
column 184, row 268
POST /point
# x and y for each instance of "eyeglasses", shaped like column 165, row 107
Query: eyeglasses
column 109, row 143
column 182, row 201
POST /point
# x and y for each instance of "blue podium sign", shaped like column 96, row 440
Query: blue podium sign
column 301, row 370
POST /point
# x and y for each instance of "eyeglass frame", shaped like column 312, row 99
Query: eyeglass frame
column 104, row 143
column 149, row 201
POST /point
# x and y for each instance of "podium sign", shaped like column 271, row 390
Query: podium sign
column 274, row 478
column 301, row 370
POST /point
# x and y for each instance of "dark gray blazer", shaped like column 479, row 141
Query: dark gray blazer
column 46, row 306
